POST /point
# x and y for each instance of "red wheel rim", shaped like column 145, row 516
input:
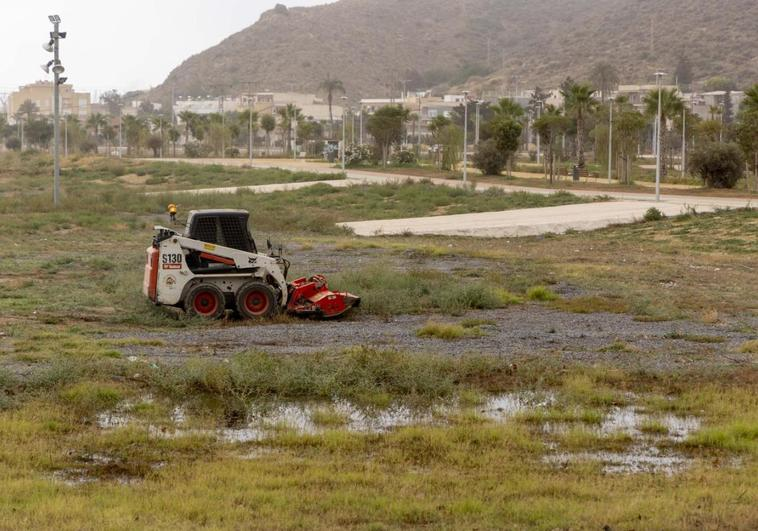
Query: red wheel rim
column 205, row 303
column 256, row 302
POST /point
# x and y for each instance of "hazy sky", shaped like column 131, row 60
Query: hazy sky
column 123, row 45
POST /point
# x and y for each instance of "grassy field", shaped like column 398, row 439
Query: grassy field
column 92, row 438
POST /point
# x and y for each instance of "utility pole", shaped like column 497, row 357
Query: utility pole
column 465, row 135
column 610, row 140
column 65, row 136
column 658, row 76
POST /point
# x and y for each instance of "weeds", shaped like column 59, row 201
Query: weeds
column 541, row 294
column 448, row 332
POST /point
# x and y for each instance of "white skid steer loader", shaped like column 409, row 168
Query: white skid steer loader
column 214, row 266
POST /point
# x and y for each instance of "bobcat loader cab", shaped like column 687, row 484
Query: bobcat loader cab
column 214, row 266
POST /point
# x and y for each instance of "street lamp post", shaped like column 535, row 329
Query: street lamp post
column 53, row 46
column 478, row 111
column 250, row 123
column 684, row 140
column 539, row 147
column 344, row 130
column 465, row 135
column 610, row 140
column 659, row 129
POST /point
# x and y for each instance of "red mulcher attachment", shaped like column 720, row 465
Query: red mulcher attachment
column 312, row 297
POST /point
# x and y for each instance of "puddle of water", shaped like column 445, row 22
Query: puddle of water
column 266, row 420
column 640, row 459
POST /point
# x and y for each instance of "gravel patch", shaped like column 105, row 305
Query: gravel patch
column 526, row 330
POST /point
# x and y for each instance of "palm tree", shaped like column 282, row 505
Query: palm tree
column 550, row 125
column 579, row 100
column 604, row 75
column 109, row 134
column 158, row 122
column 174, row 135
column 750, row 103
column 507, row 108
column 96, row 122
column 187, row 117
column 331, row 86
column 28, row 109
column 289, row 115
column 671, row 107
column 268, row 124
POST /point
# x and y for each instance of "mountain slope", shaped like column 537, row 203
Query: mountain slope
column 373, row 45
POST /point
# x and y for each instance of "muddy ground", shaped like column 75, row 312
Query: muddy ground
column 515, row 332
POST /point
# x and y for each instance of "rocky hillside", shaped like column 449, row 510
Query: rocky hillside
column 373, row 45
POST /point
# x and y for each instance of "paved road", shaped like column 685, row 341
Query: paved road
column 626, row 207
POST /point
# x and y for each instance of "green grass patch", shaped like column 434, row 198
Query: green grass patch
column 749, row 347
column 695, row 338
column 541, row 294
column 739, row 436
column 591, row 304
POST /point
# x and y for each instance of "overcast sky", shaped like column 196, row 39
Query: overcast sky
column 123, row 45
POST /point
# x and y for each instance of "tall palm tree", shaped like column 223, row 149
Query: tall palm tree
column 671, row 107
column 96, row 122
column 750, row 103
column 604, row 75
column 268, row 123
column 331, row 86
column 187, row 117
column 579, row 101
column 28, row 108
column 508, row 108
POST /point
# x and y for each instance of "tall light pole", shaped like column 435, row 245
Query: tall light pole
column 361, row 125
column 53, row 46
column 344, row 131
column 610, row 140
column 250, row 123
column 684, row 140
column 658, row 76
column 539, row 147
column 465, row 135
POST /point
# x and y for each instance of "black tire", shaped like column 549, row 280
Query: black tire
column 206, row 301
column 257, row 300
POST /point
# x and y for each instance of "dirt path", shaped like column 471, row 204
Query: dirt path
column 514, row 332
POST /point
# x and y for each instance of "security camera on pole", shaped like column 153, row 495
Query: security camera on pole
column 52, row 46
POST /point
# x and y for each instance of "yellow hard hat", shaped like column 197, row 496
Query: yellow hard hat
column 172, row 208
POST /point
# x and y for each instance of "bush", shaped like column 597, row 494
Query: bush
column 232, row 152
column 88, row 146
column 404, row 157
column 13, row 143
column 359, row 154
column 719, row 165
column 489, row 159
column 194, row 150
column 541, row 294
column 653, row 214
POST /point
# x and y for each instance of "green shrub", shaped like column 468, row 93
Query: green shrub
column 13, row 144
column 448, row 332
column 719, row 165
column 404, row 157
column 653, row 214
column 489, row 159
column 87, row 398
column 541, row 294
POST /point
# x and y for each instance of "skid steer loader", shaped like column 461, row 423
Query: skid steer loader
column 214, row 266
